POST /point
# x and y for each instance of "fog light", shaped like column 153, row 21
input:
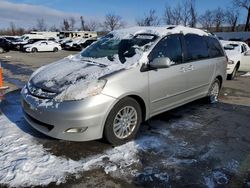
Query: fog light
column 76, row 130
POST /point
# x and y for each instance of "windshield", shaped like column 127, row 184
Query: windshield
column 109, row 46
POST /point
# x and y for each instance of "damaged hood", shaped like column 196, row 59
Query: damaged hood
column 58, row 76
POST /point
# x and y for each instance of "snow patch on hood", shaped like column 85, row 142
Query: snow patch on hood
column 74, row 75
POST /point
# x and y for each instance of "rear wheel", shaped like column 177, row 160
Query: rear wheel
column 214, row 91
column 123, row 121
column 55, row 49
column 34, row 50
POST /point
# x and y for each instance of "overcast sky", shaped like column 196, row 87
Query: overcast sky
column 25, row 12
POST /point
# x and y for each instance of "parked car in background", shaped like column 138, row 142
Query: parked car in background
column 83, row 44
column 5, row 45
column 42, row 46
column 238, row 54
column 79, row 43
column 64, row 42
column 124, row 78
column 69, row 44
column 30, row 41
column 26, row 39
column 11, row 38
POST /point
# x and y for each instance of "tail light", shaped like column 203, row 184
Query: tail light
column 227, row 60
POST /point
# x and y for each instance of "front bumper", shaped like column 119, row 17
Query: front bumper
column 230, row 68
column 53, row 118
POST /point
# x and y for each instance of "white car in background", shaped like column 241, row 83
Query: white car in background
column 79, row 43
column 71, row 43
column 43, row 46
column 238, row 54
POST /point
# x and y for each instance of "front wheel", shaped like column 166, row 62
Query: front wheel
column 123, row 121
column 34, row 50
column 214, row 91
column 55, row 50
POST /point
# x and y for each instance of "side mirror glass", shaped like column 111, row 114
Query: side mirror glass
column 161, row 62
column 247, row 53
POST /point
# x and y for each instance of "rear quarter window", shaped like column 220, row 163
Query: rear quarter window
column 214, row 48
column 196, row 47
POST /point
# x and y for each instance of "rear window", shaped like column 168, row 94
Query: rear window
column 197, row 48
column 214, row 47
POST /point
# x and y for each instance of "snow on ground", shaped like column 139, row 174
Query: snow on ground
column 24, row 162
column 246, row 74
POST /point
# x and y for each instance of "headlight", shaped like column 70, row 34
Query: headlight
column 230, row 62
column 81, row 90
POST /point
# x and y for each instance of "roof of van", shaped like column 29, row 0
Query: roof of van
column 159, row 31
column 225, row 42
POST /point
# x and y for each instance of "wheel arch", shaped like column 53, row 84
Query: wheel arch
column 136, row 97
column 219, row 77
column 238, row 65
column 141, row 103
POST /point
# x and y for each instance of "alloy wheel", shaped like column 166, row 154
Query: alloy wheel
column 125, row 122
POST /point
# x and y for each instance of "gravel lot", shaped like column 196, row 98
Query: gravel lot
column 196, row 145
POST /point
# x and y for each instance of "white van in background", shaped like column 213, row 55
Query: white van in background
column 47, row 34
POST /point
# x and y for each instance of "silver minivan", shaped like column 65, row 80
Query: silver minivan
column 123, row 79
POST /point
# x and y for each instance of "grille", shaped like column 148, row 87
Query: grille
column 47, row 126
column 40, row 92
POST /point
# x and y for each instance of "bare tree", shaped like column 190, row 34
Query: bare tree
column 245, row 4
column 181, row 14
column 41, row 25
column 193, row 14
column 72, row 22
column 150, row 19
column 232, row 16
column 91, row 25
column 185, row 16
column 177, row 14
column 54, row 28
column 218, row 18
column 173, row 16
column 65, row 25
column 168, row 17
column 82, row 23
column 206, row 20
column 112, row 22
column 12, row 28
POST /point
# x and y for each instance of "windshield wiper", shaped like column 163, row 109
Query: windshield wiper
column 94, row 62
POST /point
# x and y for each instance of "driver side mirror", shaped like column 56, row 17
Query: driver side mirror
column 161, row 62
column 247, row 53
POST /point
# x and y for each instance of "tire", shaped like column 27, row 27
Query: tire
column 55, row 49
column 1, row 50
column 123, row 122
column 34, row 50
column 213, row 92
column 233, row 75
